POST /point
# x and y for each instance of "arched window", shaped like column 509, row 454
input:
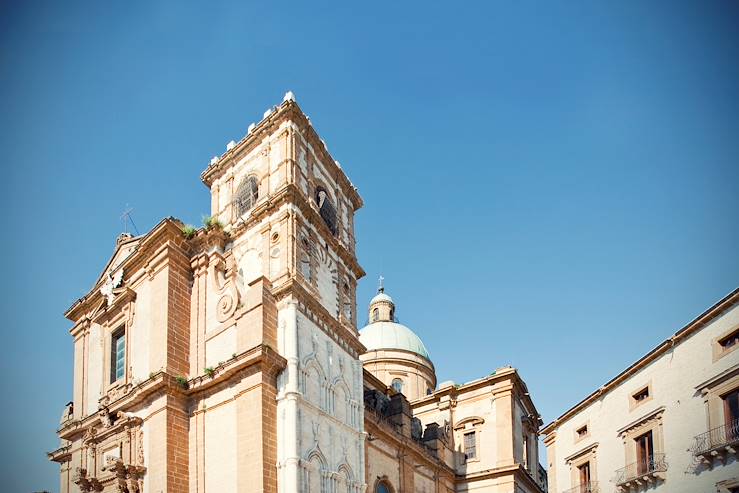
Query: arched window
column 247, row 194
column 375, row 314
column 397, row 385
column 383, row 487
column 326, row 209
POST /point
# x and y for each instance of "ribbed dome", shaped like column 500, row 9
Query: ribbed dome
column 392, row 335
column 381, row 296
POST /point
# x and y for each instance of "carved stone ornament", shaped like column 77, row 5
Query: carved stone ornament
column 105, row 418
column 140, row 453
column 110, row 284
column 224, row 276
column 79, row 477
column 89, row 435
column 115, row 393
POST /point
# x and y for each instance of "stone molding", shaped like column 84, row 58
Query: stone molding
column 695, row 325
column 288, row 111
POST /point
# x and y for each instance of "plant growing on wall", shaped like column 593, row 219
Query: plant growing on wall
column 211, row 222
column 188, row 231
column 182, row 381
column 210, row 371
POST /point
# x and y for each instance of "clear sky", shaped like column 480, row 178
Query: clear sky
column 552, row 186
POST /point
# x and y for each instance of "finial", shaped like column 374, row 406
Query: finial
column 126, row 217
column 381, row 285
column 289, row 96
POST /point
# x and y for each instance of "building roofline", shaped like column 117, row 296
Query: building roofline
column 503, row 373
column 289, row 107
column 690, row 328
column 170, row 224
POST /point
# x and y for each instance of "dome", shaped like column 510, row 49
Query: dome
column 381, row 296
column 392, row 335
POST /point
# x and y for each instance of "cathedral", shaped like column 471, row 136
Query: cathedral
column 229, row 358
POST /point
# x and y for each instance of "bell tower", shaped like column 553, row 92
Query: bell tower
column 288, row 210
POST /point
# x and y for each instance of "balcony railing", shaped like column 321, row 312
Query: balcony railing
column 646, row 469
column 721, row 437
column 589, row 487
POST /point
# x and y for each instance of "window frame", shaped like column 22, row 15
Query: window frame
column 717, row 344
column 713, row 392
column 117, row 335
column 252, row 182
column 328, row 210
column 644, row 448
column 578, row 436
column 470, row 433
column 383, row 481
column 728, row 416
column 634, row 402
column 652, row 421
column 583, row 456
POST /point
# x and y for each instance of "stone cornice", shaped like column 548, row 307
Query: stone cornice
column 165, row 383
column 287, row 111
column 695, row 325
column 62, row 454
column 340, row 332
column 291, row 194
column 652, row 415
column 515, row 469
column 268, row 359
column 704, row 386
column 584, row 450
column 390, row 359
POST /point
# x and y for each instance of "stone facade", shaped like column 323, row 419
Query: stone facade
column 666, row 423
column 228, row 358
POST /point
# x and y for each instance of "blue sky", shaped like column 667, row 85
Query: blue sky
column 545, row 184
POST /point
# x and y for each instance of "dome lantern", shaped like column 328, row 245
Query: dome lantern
column 382, row 307
column 395, row 354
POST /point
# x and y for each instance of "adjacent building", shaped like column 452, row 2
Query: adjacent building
column 228, row 358
column 667, row 423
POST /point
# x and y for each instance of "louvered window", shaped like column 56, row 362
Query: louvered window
column 326, row 209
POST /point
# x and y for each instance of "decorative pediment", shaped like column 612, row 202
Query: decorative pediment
column 471, row 420
column 648, row 418
column 106, row 309
column 123, row 251
column 589, row 450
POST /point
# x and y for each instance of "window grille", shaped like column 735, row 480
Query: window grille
column 247, row 194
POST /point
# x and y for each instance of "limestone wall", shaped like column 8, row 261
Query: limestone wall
column 675, row 410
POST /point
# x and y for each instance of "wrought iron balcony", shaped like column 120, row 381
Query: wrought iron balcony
column 589, row 487
column 718, row 442
column 640, row 472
